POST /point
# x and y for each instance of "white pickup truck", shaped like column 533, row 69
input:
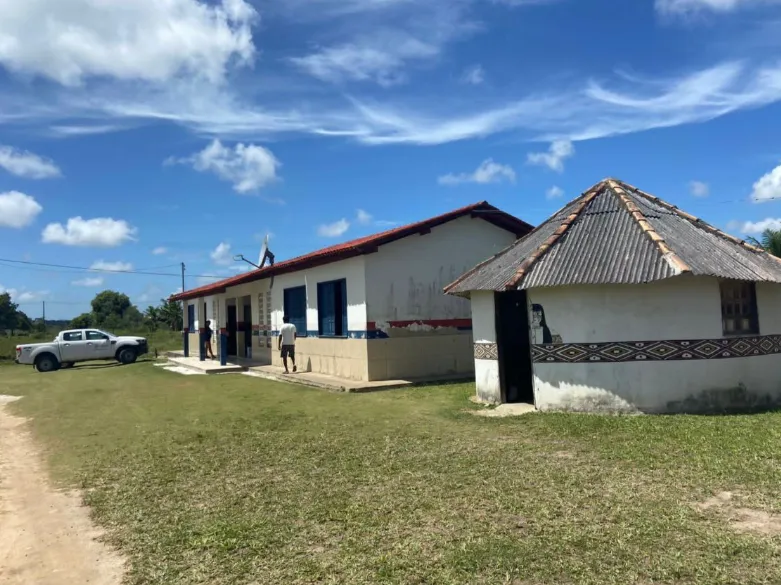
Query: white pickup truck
column 80, row 345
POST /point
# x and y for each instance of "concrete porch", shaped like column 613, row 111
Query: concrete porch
column 323, row 381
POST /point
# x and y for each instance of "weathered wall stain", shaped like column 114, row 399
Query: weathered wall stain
column 725, row 401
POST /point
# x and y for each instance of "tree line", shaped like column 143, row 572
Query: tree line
column 111, row 310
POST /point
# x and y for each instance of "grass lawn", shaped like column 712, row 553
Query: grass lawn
column 233, row 479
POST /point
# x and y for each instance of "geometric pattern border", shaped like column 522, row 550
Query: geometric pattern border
column 645, row 351
column 486, row 351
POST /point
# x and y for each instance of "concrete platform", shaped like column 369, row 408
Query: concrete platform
column 323, row 381
column 208, row 366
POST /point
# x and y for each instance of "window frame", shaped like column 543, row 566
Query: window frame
column 339, row 311
column 79, row 333
column 100, row 335
column 297, row 321
column 741, row 302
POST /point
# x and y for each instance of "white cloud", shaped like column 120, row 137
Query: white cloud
column 474, row 75
column 26, row 164
column 691, row 6
column 159, row 251
column 249, row 167
column 88, row 282
column 333, row 230
column 24, row 296
column 554, row 192
column 757, row 227
column 18, row 210
column 558, row 152
column 363, row 217
column 155, row 40
column 103, row 266
column 488, row 172
column 768, row 187
column 222, row 255
column 100, row 232
column 699, row 189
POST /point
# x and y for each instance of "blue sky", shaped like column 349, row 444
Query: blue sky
column 138, row 135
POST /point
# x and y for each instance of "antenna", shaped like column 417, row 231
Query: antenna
column 265, row 254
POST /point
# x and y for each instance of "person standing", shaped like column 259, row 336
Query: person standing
column 287, row 342
column 207, row 340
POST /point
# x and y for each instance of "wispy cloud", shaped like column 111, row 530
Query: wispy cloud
column 333, row 230
column 559, row 151
column 222, row 255
column 686, row 7
column 89, row 282
column 554, row 192
column 474, row 75
column 488, row 172
column 118, row 266
column 699, row 189
column 363, row 217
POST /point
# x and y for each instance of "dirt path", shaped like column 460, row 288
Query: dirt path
column 46, row 537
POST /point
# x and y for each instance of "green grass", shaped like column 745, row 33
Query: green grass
column 161, row 340
column 237, row 480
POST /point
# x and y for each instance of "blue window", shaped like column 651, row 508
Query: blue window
column 332, row 308
column 295, row 308
column 191, row 318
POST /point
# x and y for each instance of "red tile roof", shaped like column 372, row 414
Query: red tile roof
column 361, row 246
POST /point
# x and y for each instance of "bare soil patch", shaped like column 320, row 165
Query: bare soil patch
column 46, row 536
column 743, row 519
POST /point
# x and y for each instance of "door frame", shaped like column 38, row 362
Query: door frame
column 505, row 361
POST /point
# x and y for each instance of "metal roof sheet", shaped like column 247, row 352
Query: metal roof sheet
column 616, row 234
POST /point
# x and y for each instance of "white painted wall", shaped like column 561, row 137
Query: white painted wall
column 679, row 308
column 405, row 279
column 484, row 331
column 352, row 269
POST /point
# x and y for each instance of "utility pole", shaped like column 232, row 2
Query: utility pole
column 44, row 314
column 182, row 276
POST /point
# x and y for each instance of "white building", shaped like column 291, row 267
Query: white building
column 370, row 309
column 622, row 302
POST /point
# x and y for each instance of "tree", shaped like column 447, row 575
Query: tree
column 109, row 308
column 23, row 322
column 770, row 242
column 83, row 321
column 170, row 314
column 8, row 311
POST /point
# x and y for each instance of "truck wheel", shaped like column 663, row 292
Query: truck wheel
column 127, row 356
column 46, row 363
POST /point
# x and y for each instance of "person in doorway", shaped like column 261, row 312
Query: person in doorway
column 287, row 342
column 207, row 340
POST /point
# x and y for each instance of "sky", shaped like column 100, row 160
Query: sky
column 139, row 135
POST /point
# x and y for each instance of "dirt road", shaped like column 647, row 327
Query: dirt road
column 46, row 536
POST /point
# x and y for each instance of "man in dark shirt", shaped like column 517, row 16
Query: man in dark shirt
column 207, row 340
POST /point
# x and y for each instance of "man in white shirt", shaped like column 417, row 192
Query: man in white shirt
column 287, row 342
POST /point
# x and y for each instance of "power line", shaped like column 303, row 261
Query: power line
column 80, row 269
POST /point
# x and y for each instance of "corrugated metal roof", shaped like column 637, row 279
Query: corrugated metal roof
column 360, row 246
column 602, row 238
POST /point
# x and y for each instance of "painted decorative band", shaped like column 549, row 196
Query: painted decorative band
column 644, row 351
column 486, row 351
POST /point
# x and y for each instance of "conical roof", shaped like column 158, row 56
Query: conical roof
column 615, row 233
